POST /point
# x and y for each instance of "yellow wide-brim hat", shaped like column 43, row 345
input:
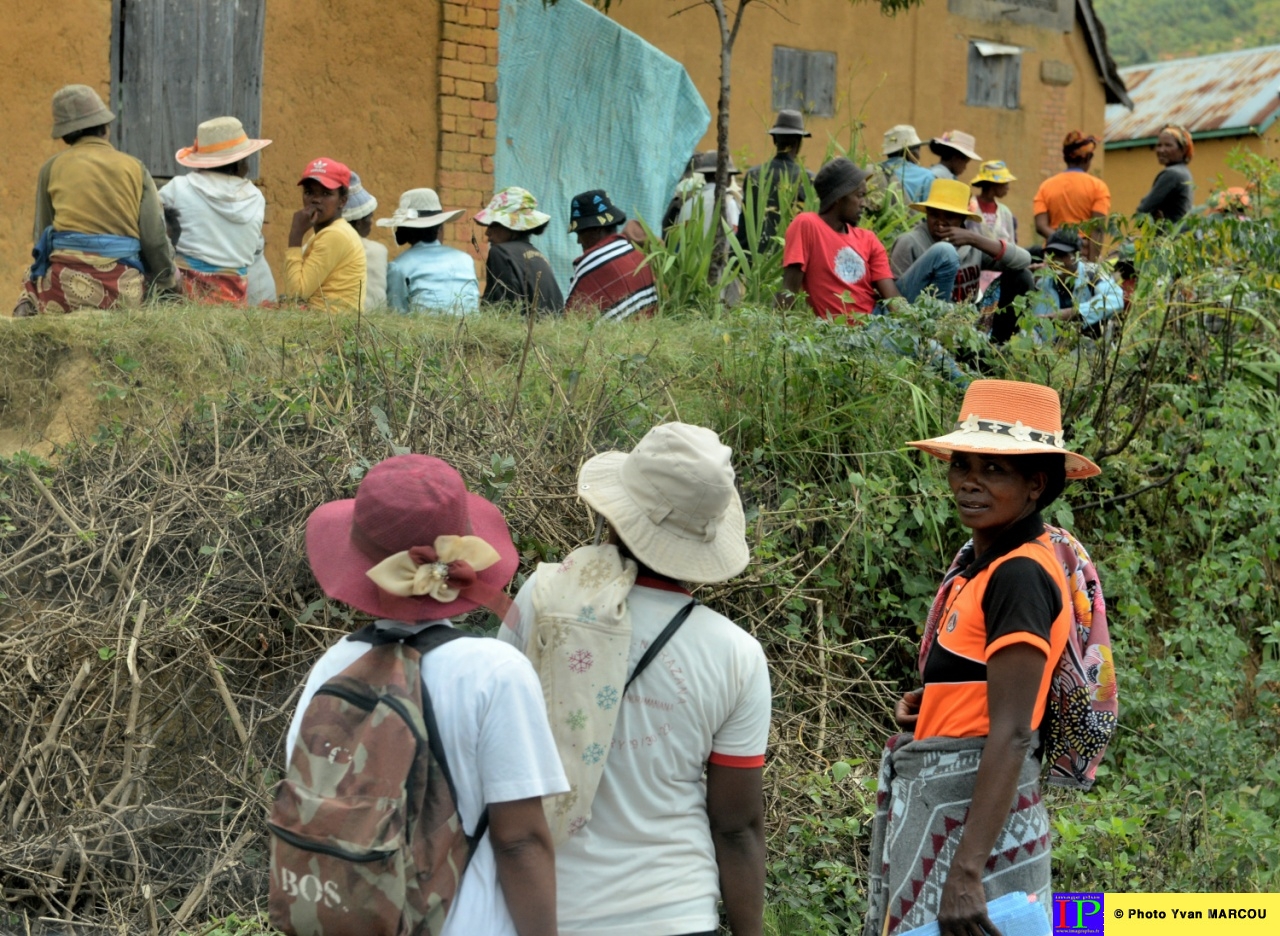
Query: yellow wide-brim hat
column 948, row 195
column 1009, row 417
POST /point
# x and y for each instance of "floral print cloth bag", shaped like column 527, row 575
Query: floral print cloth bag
column 579, row 644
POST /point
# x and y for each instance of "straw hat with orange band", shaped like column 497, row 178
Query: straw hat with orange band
column 219, row 142
column 1009, row 417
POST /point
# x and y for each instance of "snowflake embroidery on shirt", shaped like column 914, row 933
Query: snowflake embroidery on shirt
column 577, row 720
column 607, row 698
column 565, row 802
column 567, row 564
column 576, row 826
column 587, row 615
column 594, row 574
column 849, row 265
column 592, row 754
column 580, row 661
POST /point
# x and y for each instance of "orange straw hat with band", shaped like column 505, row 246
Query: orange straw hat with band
column 219, row 142
column 1009, row 417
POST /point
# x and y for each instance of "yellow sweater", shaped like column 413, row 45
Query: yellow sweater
column 328, row 271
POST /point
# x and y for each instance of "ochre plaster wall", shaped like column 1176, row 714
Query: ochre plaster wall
column 42, row 47
column 355, row 80
column 906, row 69
column 1130, row 172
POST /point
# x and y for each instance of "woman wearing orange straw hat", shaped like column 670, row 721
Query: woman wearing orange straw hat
column 964, row 776
column 219, row 209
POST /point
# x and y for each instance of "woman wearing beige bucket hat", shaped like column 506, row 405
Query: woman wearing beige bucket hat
column 992, row 646
column 100, row 233
column 220, row 212
column 662, row 846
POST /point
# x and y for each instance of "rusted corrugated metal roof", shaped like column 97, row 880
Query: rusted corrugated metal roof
column 1212, row 94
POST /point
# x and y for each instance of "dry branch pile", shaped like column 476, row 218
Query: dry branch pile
column 157, row 618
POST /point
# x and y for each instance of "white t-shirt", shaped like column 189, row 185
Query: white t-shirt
column 493, row 724
column 645, row 864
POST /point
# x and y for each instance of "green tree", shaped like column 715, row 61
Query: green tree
column 729, row 17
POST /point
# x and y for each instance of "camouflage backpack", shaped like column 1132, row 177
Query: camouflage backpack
column 365, row 833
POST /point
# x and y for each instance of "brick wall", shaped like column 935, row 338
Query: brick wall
column 468, row 109
column 1053, row 128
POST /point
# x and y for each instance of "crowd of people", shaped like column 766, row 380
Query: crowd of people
column 104, row 235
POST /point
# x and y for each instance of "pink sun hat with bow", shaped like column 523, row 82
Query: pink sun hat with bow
column 413, row 544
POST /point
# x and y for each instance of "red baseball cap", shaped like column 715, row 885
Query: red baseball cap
column 328, row 172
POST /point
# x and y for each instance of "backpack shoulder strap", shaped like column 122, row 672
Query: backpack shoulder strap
column 661, row 641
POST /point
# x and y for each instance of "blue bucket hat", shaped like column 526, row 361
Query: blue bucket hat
column 360, row 204
column 593, row 210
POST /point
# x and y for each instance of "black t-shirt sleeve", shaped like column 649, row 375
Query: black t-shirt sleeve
column 1163, row 189
column 1021, row 597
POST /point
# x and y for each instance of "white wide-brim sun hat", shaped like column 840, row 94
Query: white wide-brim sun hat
column 1009, row 417
column 419, row 208
column 672, row 500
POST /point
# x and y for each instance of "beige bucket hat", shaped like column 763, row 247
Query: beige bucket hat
column 900, row 137
column 419, row 208
column 77, row 107
column 1009, row 417
column 219, row 142
column 673, row 502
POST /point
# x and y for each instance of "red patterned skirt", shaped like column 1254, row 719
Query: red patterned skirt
column 77, row 280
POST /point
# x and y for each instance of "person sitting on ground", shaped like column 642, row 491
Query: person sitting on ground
column 359, row 214
column 515, row 271
column 221, row 212
column 701, row 201
column 941, row 254
column 328, row 270
column 1170, row 197
column 1073, row 196
column 829, row 258
column 901, row 167
column 1074, row 290
column 490, row 721
column 428, row 277
column 992, row 183
column 955, row 150
column 99, row 226
column 783, row 172
column 676, row 828
column 611, row 276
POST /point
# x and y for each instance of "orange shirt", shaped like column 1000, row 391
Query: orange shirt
column 1027, row 602
column 1072, row 197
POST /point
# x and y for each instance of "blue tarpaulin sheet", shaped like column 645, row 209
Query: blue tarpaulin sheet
column 585, row 104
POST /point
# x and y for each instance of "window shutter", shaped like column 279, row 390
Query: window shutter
column 181, row 62
column 804, row 80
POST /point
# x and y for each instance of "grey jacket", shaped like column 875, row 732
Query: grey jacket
column 912, row 245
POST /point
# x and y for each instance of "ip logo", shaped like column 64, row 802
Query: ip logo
column 1078, row 914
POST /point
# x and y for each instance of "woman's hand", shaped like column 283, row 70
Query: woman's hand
column 907, row 711
column 962, row 910
column 303, row 220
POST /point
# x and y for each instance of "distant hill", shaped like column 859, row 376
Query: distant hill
column 1151, row 30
